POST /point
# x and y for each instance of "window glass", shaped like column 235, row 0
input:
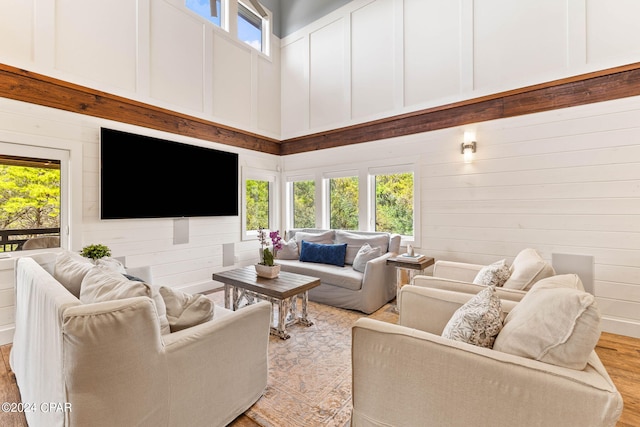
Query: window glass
column 203, row 8
column 257, row 204
column 304, row 206
column 343, row 203
column 29, row 203
column 249, row 27
column 394, row 203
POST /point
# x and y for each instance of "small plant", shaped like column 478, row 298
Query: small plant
column 95, row 251
column 276, row 241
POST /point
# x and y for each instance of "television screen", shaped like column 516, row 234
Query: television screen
column 145, row 177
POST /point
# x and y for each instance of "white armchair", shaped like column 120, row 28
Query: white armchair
column 408, row 375
column 527, row 269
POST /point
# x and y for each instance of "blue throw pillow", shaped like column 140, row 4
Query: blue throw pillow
column 325, row 254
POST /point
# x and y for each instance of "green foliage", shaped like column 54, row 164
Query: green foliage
column 29, row 197
column 257, row 203
column 304, row 206
column 394, row 203
column 343, row 193
column 96, row 251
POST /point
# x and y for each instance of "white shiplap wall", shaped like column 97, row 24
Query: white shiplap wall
column 564, row 181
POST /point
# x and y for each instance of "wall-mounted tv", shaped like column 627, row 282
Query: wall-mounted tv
column 145, row 177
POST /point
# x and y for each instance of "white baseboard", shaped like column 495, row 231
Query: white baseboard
column 620, row 326
column 6, row 335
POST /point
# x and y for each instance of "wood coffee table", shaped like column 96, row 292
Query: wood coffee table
column 282, row 291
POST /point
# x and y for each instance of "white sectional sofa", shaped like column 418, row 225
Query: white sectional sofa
column 108, row 364
column 344, row 286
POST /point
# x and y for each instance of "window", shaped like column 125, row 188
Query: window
column 203, row 8
column 258, row 195
column 249, row 27
column 393, row 202
column 30, row 202
column 343, row 203
column 303, row 195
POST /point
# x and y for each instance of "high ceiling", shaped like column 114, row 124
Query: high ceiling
column 291, row 15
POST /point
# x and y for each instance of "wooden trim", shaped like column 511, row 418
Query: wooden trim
column 38, row 89
column 603, row 85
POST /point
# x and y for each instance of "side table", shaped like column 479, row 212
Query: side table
column 408, row 268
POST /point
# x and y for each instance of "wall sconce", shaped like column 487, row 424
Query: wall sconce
column 468, row 147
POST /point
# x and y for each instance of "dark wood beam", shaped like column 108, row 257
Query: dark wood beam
column 38, row 89
column 598, row 86
column 604, row 85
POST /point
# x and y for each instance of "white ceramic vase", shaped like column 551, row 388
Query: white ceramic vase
column 267, row 271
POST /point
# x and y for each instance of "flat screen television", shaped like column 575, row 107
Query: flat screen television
column 145, row 177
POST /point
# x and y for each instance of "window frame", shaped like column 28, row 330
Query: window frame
column 371, row 197
column 289, row 201
column 326, row 194
column 272, row 179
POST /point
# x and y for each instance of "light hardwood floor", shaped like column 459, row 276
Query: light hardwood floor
column 619, row 354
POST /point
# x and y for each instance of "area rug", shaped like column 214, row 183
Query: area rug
column 309, row 380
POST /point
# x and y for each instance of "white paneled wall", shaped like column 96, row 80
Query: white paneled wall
column 398, row 56
column 564, row 181
column 154, row 51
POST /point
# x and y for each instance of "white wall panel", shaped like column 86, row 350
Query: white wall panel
column 328, row 85
column 176, row 56
column 612, row 30
column 232, row 95
column 373, row 35
column 295, row 88
column 16, row 30
column 269, row 92
column 518, row 42
column 96, row 41
column 432, row 49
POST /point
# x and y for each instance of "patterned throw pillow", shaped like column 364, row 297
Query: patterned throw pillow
column 478, row 321
column 495, row 274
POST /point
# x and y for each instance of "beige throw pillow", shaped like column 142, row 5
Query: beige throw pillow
column 356, row 241
column 70, row 268
column 527, row 269
column 323, row 237
column 556, row 325
column 478, row 321
column 102, row 284
column 289, row 250
column 364, row 255
column 495, row 274
column 186, row 310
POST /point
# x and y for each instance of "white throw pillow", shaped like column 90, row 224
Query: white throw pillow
column 527, row 269
column 186, row 310
column 323, row 237
column 111, row 264
column 478, row 321
column 70, row 269
column 557, row 325
column 364, row 255
column 289, row 250
column 495, row 274
column 101, row 284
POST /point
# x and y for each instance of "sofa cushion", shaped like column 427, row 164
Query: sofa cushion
column 70, row 268
column 102, row 284
column 186, row 310
column 495, row 274
column 527, row 268
column 343, row 277
column 289, row 250
column 111, row 264
column 355, row 241
column 478, row 321
column 325, row 237
column 323, row 253
column 364, row 255
column 555, row 324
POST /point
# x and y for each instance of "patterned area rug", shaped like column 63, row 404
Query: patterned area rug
column 310, row 373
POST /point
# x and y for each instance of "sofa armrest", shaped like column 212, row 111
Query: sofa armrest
column 456, row 270
column 114, row 358
column 429, row 309
column 465, row 287
column 401, row 375
column 222, row 364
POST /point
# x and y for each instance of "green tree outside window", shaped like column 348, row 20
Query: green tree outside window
column 257, row 204
column 343, row 193
column 394, row 203
column 304, row 206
